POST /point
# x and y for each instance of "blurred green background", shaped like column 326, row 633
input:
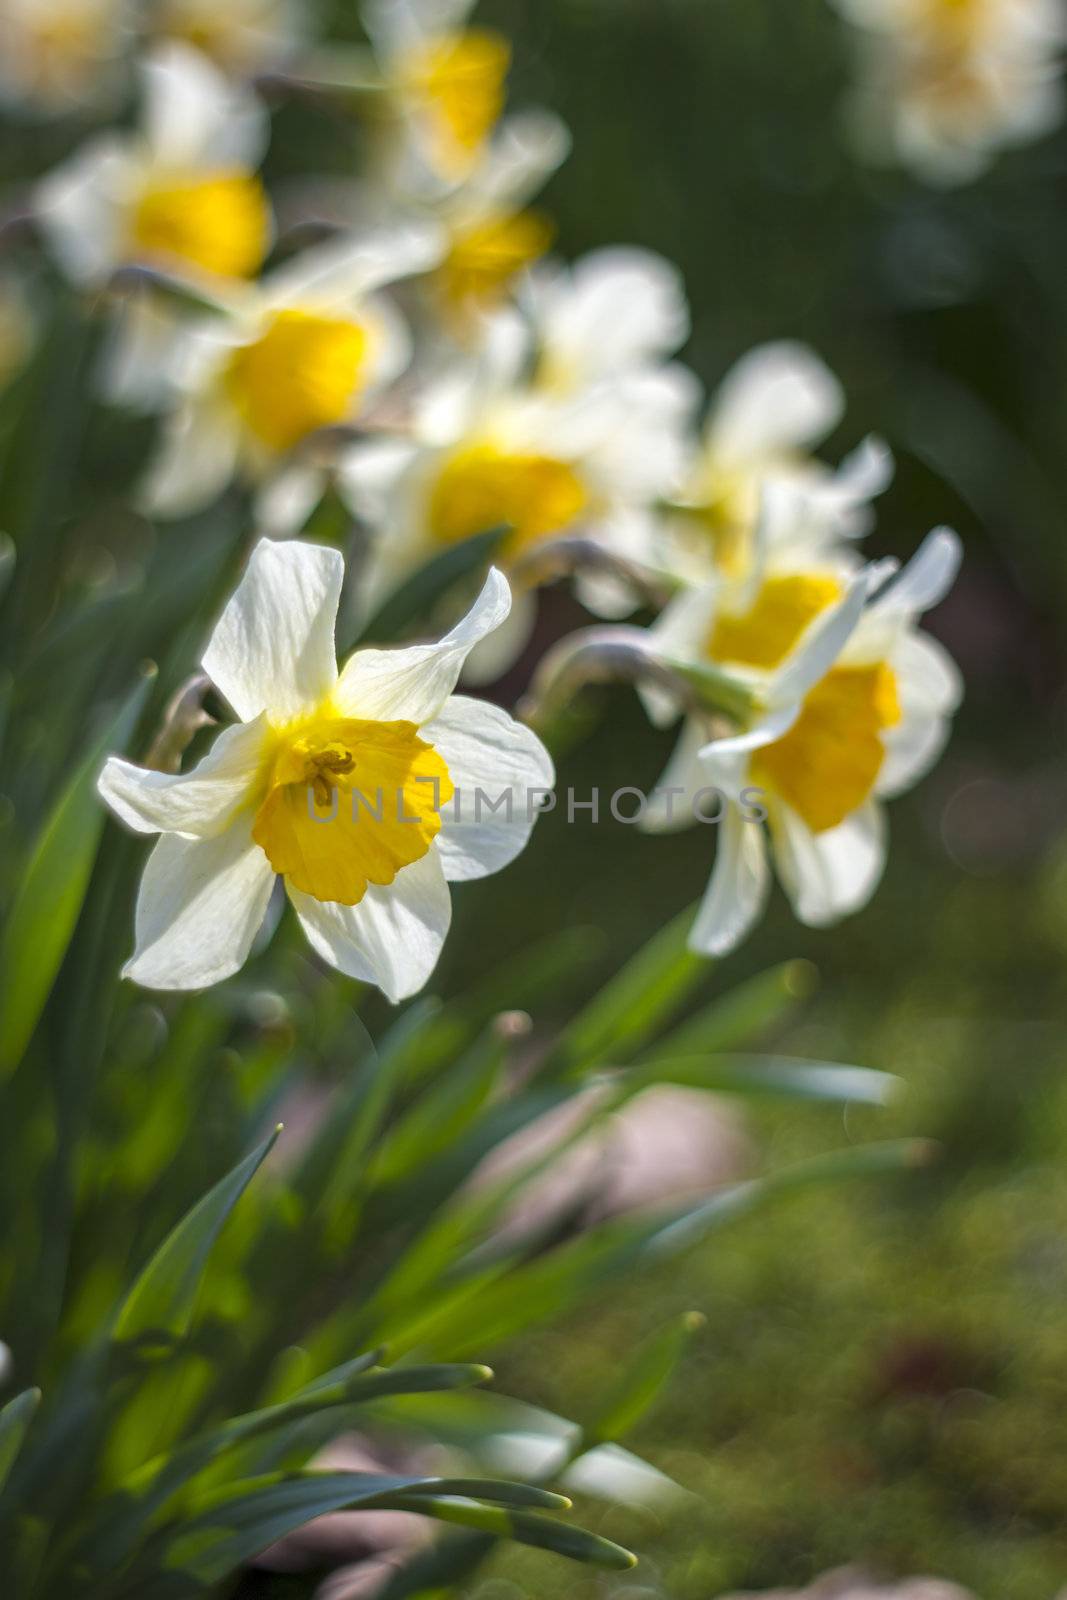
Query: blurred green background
column 883, row 1374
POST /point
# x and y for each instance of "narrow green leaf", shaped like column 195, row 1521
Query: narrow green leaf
column 216, row 1535
column 160, row 1304
column 734, row 1019
column 52, row 889
column 635, row 1002
column 443, row 1114
column 559, row 1537
column 332, row 1171
column 786, row 1077
column 640, row 1386
column 15, row 1419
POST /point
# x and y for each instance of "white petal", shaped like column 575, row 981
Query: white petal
column 200, row 906
column 82, row 209
column 737, row 892
column 863, row 475
column 340, row 272
column 778, row 397
column 617, row 309
column 829, row 875
column 644, row 447
column 822, row 643
column 140, row 353
column 195, row 116
column 196, row 460
column 393, row 938
column 911, row 749
column 273, row 647
column 200, row 803
column 490, row 755
column 528, row 148
column 498, row 651
column 927, row 677
column 369, row 475
column 771, row 725
column 413, row 684
column 396, row 25
column 284, row 505
column 668, row 812
column 927, row 577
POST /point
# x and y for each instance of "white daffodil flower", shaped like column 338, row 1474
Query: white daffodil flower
column 490, row 449
column 243, row 36
column 615, row 311
column 179, row 193
column 58, row 56
column 770, row 412
column 946, row 84
column 851, row 707
column 493, row 234
column 309, row 347
column 360, row 789
column 446, row 80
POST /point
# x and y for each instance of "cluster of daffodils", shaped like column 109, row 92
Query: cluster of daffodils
column 945, row 84
column 473, row 404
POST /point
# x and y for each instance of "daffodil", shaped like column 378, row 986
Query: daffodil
column 489, row 449
column 305, row 349
column 770, row 412
column 59, row 55
column 945, row 84
column 493, row 234
column 446, row 80
column 180, row 193
column 243, row 36
column 359, row 788
column 616, row 311
column 849, row 705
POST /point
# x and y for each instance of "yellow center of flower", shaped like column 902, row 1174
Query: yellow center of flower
column 220, row 223
column 826, row 766
column 482, row 487
column 459, row 81
column 483, row 259
column 771, row 628
column 301, row 374
column 349, row 803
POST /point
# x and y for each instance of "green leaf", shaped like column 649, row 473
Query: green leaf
column 733, row 1019
column 629, row 1008
column 248, row 1446
column 239, row 1521
column 416, row 598
column 786, row 1077
column 228, row 1527
column 443, row 1114
column 645, row 1378
column 52, row 889
column 559, row 1537
column 160, row 1304
column 15, row 1419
